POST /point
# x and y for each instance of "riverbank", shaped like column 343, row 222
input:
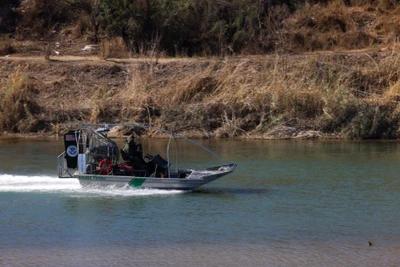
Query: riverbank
column 349, row 95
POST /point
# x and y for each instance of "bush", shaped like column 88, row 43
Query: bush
column 6, row 46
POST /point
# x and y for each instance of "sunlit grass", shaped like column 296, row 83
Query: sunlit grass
column 18, row 102
column 354, row 96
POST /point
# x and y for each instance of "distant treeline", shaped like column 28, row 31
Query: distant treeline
column 191, row 27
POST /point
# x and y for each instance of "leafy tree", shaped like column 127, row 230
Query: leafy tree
column 126, row 18
column 194, row 27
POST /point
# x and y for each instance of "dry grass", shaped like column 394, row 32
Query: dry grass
column 352, row 96
column 347, row 92
column 112, row 48
column 18, row 104
column 6, row 46
column 337, row 27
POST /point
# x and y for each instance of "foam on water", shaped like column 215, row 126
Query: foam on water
column 49, row 184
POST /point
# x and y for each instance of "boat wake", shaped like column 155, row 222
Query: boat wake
column 49, row 184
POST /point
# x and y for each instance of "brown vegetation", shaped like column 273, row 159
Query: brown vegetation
column 299, row 90
column 199, row 28
column 19, row 107
column 347, row 95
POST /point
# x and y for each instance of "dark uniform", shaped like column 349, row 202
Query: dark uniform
column 132, row 153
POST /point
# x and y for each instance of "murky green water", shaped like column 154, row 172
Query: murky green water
column 289, row 203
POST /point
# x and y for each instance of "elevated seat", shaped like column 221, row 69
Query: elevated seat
column 157, row 159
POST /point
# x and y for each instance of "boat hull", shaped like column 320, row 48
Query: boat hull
column 195, row 179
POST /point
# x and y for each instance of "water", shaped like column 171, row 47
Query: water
column 289, row 203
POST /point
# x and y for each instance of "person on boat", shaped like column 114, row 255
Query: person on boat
column 132, row 153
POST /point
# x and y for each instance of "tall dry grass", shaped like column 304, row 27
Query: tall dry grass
column 336, row 26
column 18, row 103
column 354, row 96
column 6, row 46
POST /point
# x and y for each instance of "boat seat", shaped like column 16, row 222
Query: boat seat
column 157, row 159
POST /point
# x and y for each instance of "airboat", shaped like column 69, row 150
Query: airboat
column 94, row 159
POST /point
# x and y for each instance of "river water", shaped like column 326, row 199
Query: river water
column 289, row 203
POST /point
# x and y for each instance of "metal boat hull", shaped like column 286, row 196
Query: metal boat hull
column 195, row 179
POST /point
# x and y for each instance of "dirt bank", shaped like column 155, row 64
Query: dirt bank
column 320, row 95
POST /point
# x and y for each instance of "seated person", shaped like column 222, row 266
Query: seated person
column 132, row 153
